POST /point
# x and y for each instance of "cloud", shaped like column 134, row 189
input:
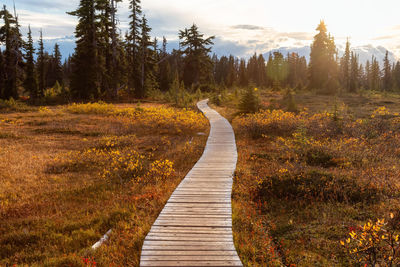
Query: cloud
column 385, row 37
column 297, row 35
column 228, row 47
column 247, row 27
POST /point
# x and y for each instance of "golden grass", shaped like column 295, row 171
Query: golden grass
column 66, row 178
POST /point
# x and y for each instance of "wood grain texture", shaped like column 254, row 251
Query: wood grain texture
column 195, row 226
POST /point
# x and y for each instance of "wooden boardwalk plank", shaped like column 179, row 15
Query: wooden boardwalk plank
column 195, row 226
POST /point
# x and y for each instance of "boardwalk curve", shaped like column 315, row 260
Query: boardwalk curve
column 195, row 226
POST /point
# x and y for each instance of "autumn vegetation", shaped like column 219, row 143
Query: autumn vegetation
column 71, row 173
column 317, row 186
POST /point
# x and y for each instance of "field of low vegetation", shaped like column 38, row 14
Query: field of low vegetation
column 317, row 182
column 71, row 173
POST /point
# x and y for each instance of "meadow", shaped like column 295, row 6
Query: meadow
column 317, row 186
column 71, row 173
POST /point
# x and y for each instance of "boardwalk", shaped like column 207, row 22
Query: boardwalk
column 195, row 226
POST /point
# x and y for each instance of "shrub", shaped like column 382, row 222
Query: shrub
column 375, row 243
column 276, row 122
column 249, row 102
column 316, row 186
column 12, row 105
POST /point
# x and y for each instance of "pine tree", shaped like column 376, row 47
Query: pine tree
column 133, row 46
column 30, row 83
column 387, row 73
column 345, row 67
column 41, row 67
column 375, row 75
column 243, row 79
column 354, row 73
column 116, row 58
column 396, row 75
column 147, row 61
column 85, row 77
column 323, row 66
column 2, row 75
column 231, row 78
column 367, row 72
column 277, row 71
column 10, row 36
column 57, row 67
column 165, row 73
column 197, row 63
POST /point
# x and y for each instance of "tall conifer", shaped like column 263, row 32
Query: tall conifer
column 30, row 83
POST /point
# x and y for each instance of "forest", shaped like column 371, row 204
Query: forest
column 107, row 65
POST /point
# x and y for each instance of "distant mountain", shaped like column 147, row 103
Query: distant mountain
column 364, row 52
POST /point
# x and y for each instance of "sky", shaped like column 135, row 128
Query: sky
column 240, row 27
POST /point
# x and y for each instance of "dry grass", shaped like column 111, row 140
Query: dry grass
column 304, row 181
column 61, row 188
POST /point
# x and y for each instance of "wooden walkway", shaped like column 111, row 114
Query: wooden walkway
column 195, row 226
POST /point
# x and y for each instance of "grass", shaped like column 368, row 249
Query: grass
column 306, row 180
column 70, row 173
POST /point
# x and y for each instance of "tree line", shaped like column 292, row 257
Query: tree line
column 107, row 62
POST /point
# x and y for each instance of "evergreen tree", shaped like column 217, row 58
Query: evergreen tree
column 197, row 63
column 117, row 55
column 133, row 46
column 10, row 37
column 278, row 70
column 345, row 67
column 375, row 75
column 147, row 61
column 30, row 83
column 243, row 79
column 41, row 67
column 387, row 73
column 57, row 67
column 323, row 66
column 396, row 75
column 165, row 72
column 354, row 73
column 84, row 80
column 367, row 75
column 2, row 75
column 231, row 78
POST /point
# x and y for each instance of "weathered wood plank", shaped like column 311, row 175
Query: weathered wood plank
column 191, row 263
column 195, row 226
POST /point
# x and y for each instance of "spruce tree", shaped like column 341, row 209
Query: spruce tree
column 57, row 66
column 387, row 73
column 197, row 63
column 165, row 72
column 323, row 66
column 133, row 46
column 396, row 76
column 147, row 61
column 232, row 72
column 375, row 75
column 354, row 73
column 116, row 58
column 243, row 79
column 367, row 72
column 10, row 37
column 41, row 67
column 85, row 77
column 345, row 67
column 2, row 75
column 30, row 83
